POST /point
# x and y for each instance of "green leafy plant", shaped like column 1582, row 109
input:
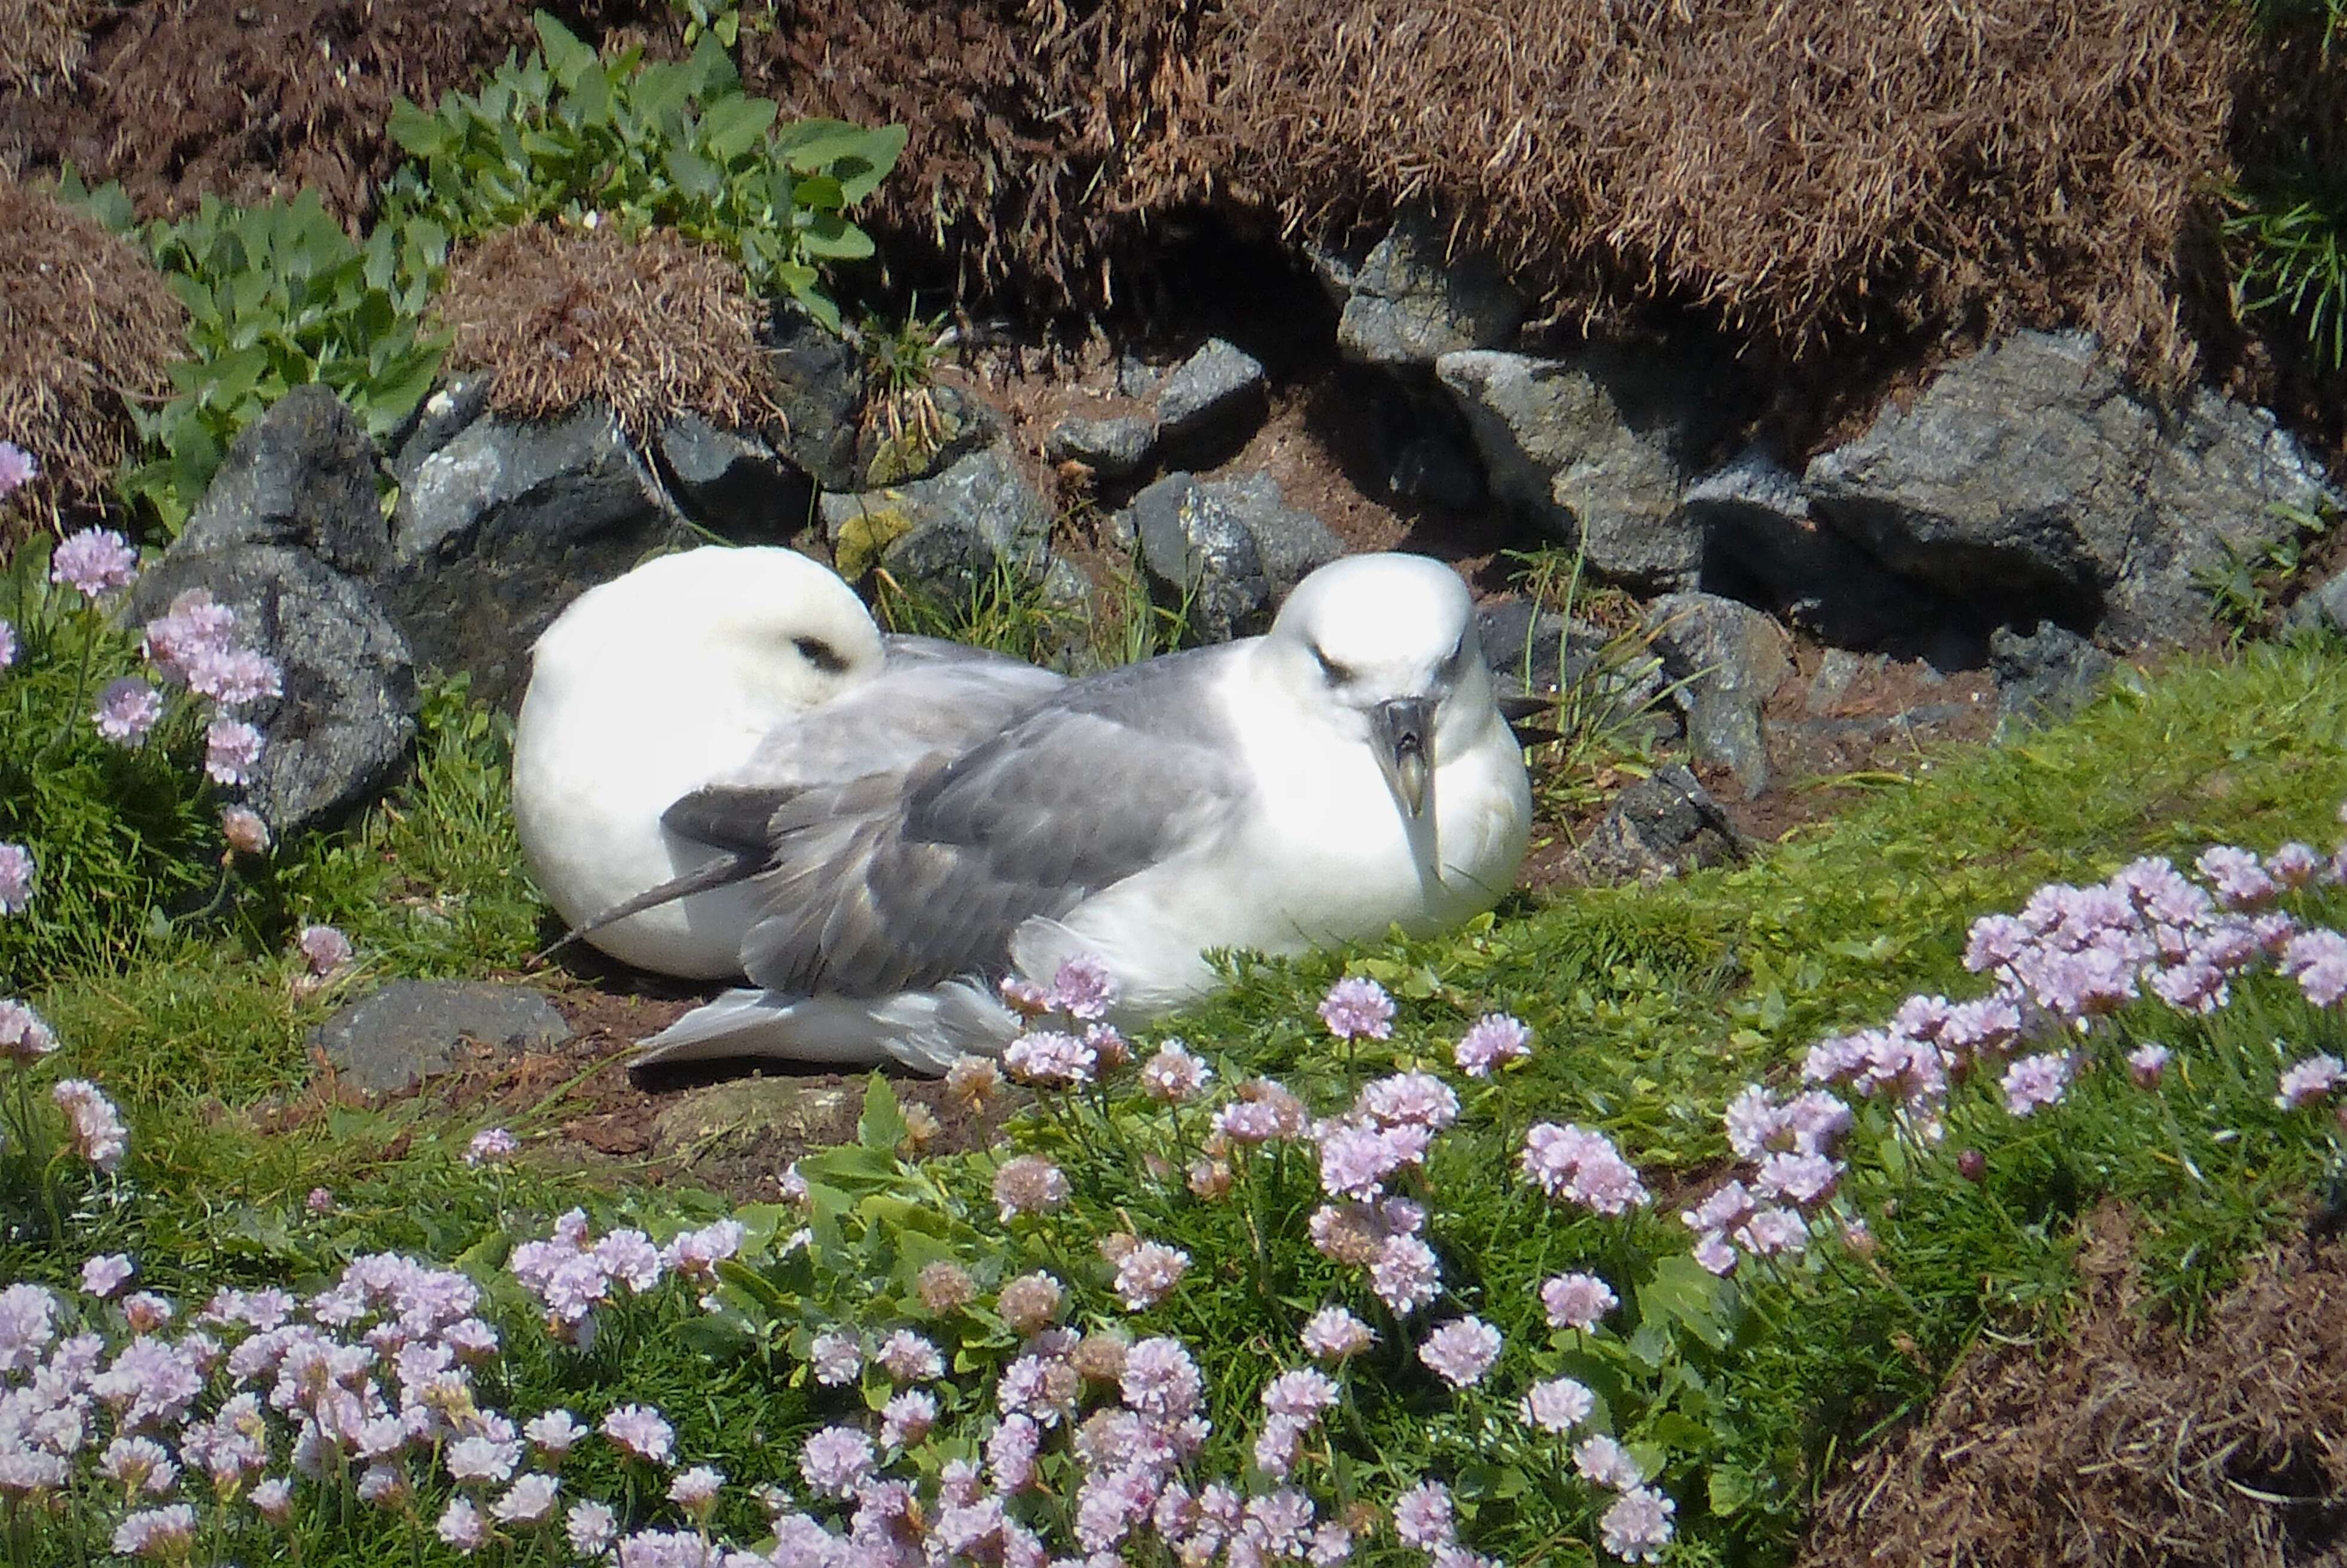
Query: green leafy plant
column 570, row 136
column 2242, row 586
column 278, row 296
column 2291, row 244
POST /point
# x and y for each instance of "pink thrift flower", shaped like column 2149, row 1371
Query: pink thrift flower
column 555, row 1433
column 835, row 1357
column 1604, row 1463
column 24, row 1038
column 18, row 468
column 1333, row 1334
column 1050, row 1057
column 1494, row 1042
column 2306, row 1081
column 16, row 878
column 233, row 677
column 8, row 645
column 1638, row 1526
column 2237, row 875
column 530, row 1498
column 1024, row 997
column 2317, row 960
column 1558, row 1405
column 1577, row 1300
column 1174, row 1074
column 230, row 748
column 94, row 562
column 1422, row 1516
column 695, row 1490
column 590, row 1528
column 127, row 710
column 193, row 625
column 1082, row 988
column 640, row 1431
column 2035, row 1081
column 157, row 1534
column 462, row 1526
column 102, row 1277
column 1406, row 1275
column 99, row 1135
column 907, row 1418
column 909, row 1359
column 490, row 1144
column 1574, row 1163
column 244, row 831
column 321, row 1201
column 325, row 948
column 2294, row 865
column 1147, row 1274
column 1461, row 1351
column 836, row 1460
column 2145, row 1063
column 1357, row 1007
column 1028, row 1185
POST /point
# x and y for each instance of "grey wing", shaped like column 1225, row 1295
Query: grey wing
column 913, row 711
column 1116, row 774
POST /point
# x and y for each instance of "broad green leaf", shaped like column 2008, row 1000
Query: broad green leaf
column 878, row 155
column 694, row 174
column 565, row 57
column 835, row 239
column 819, row 193
column 732, row 126
column 883, row 1126
column 420, row 134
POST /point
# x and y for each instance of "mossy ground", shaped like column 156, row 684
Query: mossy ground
column 1651, row 1006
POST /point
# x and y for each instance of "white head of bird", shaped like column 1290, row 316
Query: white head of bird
column 771, row 629
column 1383, row 649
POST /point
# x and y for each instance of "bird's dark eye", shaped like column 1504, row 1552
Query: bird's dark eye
column 1337, row 674
column 820, row 654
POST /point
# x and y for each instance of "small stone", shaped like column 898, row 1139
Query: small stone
column 1199, row 554
column 413, row 1029
column 2044, row 677
column 1725, row 659
column 455, row 404
column 1112, row 448
column 304, row 475
column 1216, row 388
column 1658, row 828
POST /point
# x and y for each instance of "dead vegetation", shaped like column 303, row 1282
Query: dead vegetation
column 92, row 330
column 650, row 326
column 2129, row 1444
column 42, row 43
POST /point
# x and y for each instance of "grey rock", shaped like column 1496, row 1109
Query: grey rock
column 819, row 385
column 2044, row 677
column 2324, row 608
column 2033, row 473
column 1594, row 450
column 508, row 524
column 341, row 728
column 947, row 533
column 1112, row 448
column 304, row 475
column 731, row 481
column 1229, row 548
column 1763, row 542
column 1216, row 391
column 1409, row 302
column 413, row 1029
column 1725, row 659
column 1658, row 828
column 729, row 1118
column 1135, row 377
column 1607, row 680
column 1291, row 543
column 1838, row 671
column 924, row 440
column 1196, row 552
column 455, row 404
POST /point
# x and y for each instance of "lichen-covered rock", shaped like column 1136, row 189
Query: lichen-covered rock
column 1112, row 448
column 1226, row 549
column 1594, row 450
column 2034, row 474
column 947, row 533
column 413, row 1029
column 1409, row 302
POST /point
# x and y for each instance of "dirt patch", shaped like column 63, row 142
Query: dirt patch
column 2126, row 1443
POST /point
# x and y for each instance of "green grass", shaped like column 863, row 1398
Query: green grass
column 1652, row 1006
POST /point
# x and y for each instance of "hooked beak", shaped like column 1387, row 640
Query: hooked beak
column 1403, row 730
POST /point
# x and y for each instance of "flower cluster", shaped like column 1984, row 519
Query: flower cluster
column 572, row 1272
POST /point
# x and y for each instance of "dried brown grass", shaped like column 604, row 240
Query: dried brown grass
column 1036, row 158
column 2127, row 1445
column 1806, row 171
column 651, row 326
column 44, row 42
column 91, row 330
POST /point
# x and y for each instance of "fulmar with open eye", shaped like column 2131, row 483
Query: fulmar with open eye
column 1348, row 772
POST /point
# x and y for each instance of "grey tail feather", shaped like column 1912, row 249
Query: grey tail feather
column 722, row 872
